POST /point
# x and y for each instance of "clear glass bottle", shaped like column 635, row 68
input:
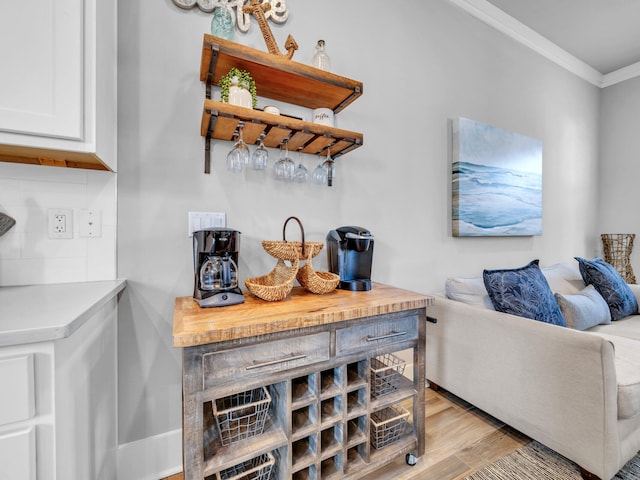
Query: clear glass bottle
column 320, row 58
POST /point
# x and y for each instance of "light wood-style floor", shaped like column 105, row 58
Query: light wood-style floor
column 460, row 440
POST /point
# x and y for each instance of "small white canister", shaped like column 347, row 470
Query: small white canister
column 323, row 116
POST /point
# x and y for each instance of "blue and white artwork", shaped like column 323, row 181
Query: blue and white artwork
column 497, row 181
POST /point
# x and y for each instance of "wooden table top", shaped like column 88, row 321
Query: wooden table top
column 193, row 325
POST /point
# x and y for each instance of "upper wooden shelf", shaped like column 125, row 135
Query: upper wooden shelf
column 277, row 77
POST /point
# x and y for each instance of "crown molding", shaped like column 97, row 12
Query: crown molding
column 621, row 75
column 496, row 18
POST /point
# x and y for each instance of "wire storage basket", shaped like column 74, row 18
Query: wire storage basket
column 386, row 372
column 258, row 468
column 241, row 415
column 387, row 425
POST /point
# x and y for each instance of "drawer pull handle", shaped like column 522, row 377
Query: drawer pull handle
column 275, row 362
column 388, row 335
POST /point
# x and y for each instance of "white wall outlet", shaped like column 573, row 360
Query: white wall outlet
column 90, row 223
column 202, row 220
column 60, row 222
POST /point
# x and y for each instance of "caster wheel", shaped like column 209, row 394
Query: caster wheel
column 411, row 459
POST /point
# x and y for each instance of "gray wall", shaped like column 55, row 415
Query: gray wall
column 620, row 163
column 422, row 64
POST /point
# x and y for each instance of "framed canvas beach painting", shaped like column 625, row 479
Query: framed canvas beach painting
column 496, row 181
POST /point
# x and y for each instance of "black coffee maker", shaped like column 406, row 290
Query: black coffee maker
column 215, row 265
column 350, row 255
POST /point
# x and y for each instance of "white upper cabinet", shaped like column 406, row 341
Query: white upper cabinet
column 58, row 82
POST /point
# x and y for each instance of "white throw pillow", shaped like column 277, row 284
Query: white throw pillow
column 584, row 309
column 563, row 278
column 468, row 290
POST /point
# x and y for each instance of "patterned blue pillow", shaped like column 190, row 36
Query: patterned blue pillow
column 523, row 292
column 610, row 284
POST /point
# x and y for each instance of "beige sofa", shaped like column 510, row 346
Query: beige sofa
column 577, row 392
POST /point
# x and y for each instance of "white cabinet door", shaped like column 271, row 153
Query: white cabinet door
column 41, row 81
column 18, row 454
column 17, row 401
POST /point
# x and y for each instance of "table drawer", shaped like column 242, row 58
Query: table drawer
column 377, row 334
column 268, row 357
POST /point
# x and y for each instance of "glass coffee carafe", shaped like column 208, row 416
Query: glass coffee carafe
column 217, row 273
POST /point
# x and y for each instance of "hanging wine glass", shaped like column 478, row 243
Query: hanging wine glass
column 284, row 168
column 319, row 175
column 239, row 155
column 260, row 157
column 277, row 167
column 301, row 174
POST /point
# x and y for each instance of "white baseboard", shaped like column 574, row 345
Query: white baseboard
column 151, row 458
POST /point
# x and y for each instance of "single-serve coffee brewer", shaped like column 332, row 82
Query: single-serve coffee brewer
column 350, row 255
column 215, row 262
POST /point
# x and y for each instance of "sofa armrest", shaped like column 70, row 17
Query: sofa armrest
column 552, row 383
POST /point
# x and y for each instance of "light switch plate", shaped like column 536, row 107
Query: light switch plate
column 203, row 220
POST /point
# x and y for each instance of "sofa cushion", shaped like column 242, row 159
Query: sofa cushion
column 627, row 359
column 524, row 292
column 584, row 309
column 628, row 327
column 610, row 284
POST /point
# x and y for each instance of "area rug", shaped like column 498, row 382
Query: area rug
column 537, row 462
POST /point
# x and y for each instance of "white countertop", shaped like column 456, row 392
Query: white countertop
column 40, row 313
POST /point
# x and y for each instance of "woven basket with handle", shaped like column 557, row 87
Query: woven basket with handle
column 282, row 248
column 277, row 284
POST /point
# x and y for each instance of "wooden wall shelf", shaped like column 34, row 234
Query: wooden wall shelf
column 220, row 121
column 281, row 79
column 277, row 77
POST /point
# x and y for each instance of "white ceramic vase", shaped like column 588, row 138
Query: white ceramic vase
column 238, row 95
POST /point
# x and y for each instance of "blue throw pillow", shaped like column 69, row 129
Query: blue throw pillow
column 610, row 284
column 523, row 292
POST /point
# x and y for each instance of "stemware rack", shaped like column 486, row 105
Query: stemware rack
column 279, row 79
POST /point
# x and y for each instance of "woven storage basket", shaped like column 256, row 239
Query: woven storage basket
column 275, row 285
column 317, row 282
column 282, row 248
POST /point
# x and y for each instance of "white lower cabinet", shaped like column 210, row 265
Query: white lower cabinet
column 18, row 454
column 58, row 405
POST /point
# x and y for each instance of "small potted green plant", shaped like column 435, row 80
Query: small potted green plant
column 240, row 79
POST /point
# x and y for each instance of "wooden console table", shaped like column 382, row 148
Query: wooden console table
column 312, row 356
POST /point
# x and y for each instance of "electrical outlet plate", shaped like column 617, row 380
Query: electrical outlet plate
column 60, row 222
column 202, row 220
column 89, row 223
